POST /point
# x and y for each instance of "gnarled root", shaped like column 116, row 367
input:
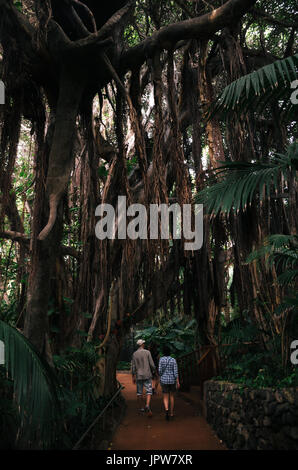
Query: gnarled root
column 54, row 201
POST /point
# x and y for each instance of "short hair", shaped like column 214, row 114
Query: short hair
column 166, row 351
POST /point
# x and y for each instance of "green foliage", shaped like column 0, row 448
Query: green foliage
column 178, row 333
column 102, row 171
column 281, row 251
column 9, row 416
column 34, row 385
column 237, row 183
column 53, row 407
column 255, row 90
column 123, row 365
column 78, row 380
column 18, row 5
column 259, row 371
column 248, row 363
column 8, row 311
column 239, row 331
column 131, row 164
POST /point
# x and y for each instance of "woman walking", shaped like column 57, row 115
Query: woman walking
column 169, row 381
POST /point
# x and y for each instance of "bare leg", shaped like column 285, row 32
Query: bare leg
column 166, row 401
column 147, row 408
column 140, row 402
column 172, row 400
column 148, row 399
column 166, row 404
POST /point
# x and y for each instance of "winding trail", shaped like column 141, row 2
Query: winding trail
column 188, row 430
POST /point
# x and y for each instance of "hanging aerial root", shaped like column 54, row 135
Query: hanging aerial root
column 54, row 201
column 107, row 335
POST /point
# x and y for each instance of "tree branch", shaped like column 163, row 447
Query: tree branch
column 108, row 28
column 184, row 8
column 15, row 236
column 256, row 12
column 20, row 21
column 201, row 27
column 25, row 239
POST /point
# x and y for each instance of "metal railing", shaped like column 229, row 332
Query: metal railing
column 77, row 445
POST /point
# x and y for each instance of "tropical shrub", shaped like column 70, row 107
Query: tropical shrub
column 179, row 333
column 44, row 407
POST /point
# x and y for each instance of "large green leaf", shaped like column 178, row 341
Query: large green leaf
column 255, row 90
column 34, row 386
column 236, row 183
column 281, row 251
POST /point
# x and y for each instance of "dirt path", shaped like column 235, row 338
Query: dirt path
column 138, row 432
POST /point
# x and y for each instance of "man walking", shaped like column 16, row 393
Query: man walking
column 142, row 369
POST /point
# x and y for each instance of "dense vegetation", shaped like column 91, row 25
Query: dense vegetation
column 170, row 101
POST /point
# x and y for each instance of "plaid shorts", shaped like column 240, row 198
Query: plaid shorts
column 147, row 383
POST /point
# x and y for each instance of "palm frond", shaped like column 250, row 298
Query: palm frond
column 34, row 385
column 288, row 304
column 278, row 240
column 276, row 244
column 282, row 252
column 237, row 183
column 255, row 90
column 288, row 277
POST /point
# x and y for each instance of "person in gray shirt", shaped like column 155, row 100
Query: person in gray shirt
column 142, row 369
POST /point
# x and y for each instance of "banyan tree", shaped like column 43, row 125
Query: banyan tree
column 117, row 97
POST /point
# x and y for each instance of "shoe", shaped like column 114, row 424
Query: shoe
column 148, row 411
column 167, row 415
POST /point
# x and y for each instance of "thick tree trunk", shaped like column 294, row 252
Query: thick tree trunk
column 46, row 244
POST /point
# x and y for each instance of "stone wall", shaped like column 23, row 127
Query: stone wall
column 246, row 418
